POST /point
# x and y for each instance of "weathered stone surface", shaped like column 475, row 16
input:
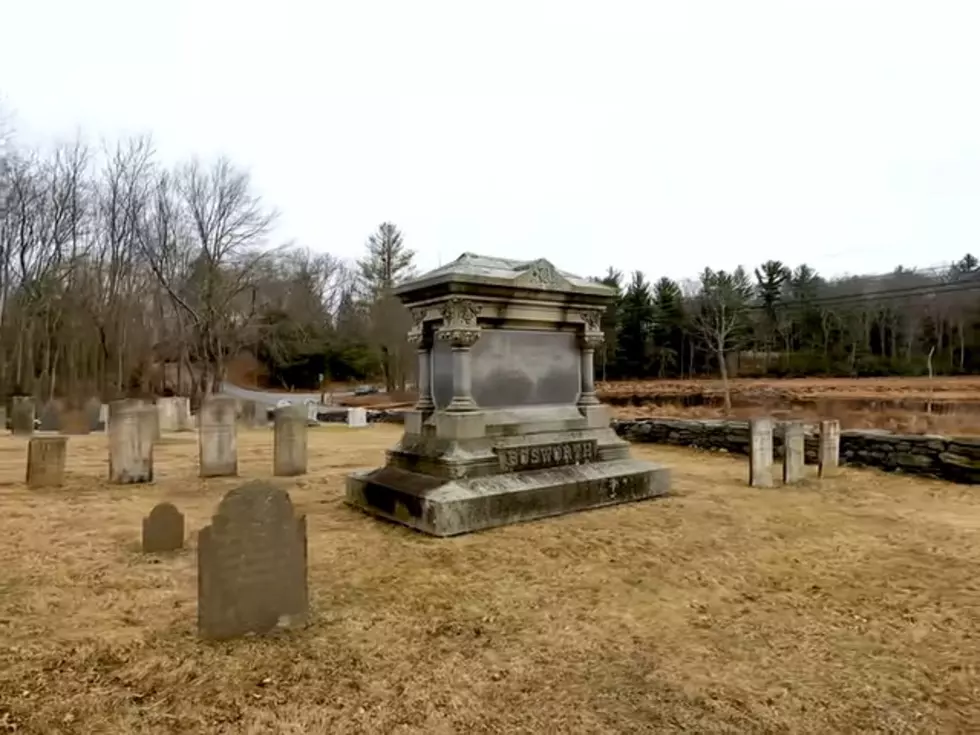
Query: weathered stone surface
column 130, row 444
column 953, row 458
column 252, row 565
column 168, row 410
column 829, row 456
column 46, row 461
column 50, row 416
column 252, row 414
column 22, row 415
column 356, row 418
column 217, row 437
column 794, row 452
column 289, row 450
column 761, row 453
column 163, row 529
column 93, row 411
column 507, row 427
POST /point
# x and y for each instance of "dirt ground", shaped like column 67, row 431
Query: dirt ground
column 844, row 605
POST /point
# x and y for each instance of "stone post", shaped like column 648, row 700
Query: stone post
column 829, row 448
column 46, row 461
column 760, row 453
column 289, row 441
column 130, row 444
column 22, row 415
column 461, row 330
column 794, row 452
column 217, row 438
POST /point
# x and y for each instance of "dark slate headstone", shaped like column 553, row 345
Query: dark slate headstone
column 51, row 416
column 251, row 565
column 163, row 529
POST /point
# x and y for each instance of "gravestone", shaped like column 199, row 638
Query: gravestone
column 163, row 529
column 760, row 452
column 183, row 408
column 794, row 452
column 130, row 444
column 3, row 418
column 828, row 450
column 357, row 418
column 312, row 413
column 289, row 449
column 252, row 415
column 251, row 565
column 46, row 461
column 22, row 415
column 93, row 410
column 507, row 426
column 167, row 414
column 217, row 440
column 50, row 417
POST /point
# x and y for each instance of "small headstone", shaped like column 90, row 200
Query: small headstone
column 130, row 444
column 794, row 452
column 167, row 414
column 760, row 453
column 75, row 421
column 251, row 565
column 163, row 529
column 46, row 461
column 217, row 438
column 828, row 453
column 93, row 409
column 51, row 416
column 22, row 415
column 183, row 408
column 312, row 414
column 103, row 424
column 289, row 442
column 356, row 418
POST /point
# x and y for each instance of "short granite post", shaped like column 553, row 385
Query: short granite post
column 794, row 452
column 289, row 442
column 46, row 461
column 217, row 437
column 357, row 418
column 130, row 444
column 22, row 415
column 760, row 453
column 829, row 448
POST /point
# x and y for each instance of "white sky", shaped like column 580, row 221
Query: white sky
column 661, row 136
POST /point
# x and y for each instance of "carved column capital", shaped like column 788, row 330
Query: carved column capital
column 592, row 340
column 459, row 325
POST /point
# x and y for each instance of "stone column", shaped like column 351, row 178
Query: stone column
column 46, row 461
column 22, row 415
column 130, row 444
column 829, row 448
column 760, row 453
column 588, row 343
column 794, row 452
column 289, row 442
column 217, row 440
column 461, row 330
column 423, row 351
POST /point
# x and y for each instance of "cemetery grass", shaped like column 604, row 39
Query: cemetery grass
column 848, row 605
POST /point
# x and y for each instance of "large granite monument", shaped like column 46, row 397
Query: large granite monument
column 507, row 427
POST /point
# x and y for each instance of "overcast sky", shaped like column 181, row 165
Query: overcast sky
column 661, row 136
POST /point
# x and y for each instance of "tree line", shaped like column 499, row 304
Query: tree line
column 120, row 274
column 789, row 321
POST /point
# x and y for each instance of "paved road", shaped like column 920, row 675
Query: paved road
column 270, row 398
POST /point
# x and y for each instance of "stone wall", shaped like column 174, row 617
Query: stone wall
column 951, row 458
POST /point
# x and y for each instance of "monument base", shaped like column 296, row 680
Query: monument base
column 449, row 507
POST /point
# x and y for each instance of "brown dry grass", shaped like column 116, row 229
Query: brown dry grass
column 848, row 605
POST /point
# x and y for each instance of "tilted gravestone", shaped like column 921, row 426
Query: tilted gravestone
column 163, row 529
column 508, row 426
column 251, row 565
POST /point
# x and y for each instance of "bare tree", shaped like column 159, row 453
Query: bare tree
column 721, row 318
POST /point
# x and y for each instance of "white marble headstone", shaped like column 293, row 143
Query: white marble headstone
column 356, row 418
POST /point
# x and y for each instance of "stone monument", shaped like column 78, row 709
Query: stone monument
column 289, row 450
column 252, row 565
column 46, row 461
column 507, row 427
column 217, row 438
column 130, row 444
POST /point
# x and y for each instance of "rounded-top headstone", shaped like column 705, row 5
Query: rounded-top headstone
column 163, row 529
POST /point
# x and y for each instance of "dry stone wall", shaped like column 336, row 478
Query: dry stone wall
column 951, row 458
